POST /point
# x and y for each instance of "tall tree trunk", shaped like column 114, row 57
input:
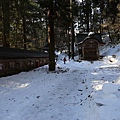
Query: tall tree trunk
column 24, row 32
column 52, row 41
column 5, row 22
column 73, row 40
column 87, row 14
column 68, row 42
column 72, row 28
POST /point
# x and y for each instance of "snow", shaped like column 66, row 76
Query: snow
column 109, row 88
column 75, row 91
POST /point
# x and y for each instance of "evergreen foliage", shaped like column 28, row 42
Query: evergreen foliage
column 24, row 23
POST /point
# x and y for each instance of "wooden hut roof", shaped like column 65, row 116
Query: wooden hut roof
column 20, row 53
column 91, row 37
column 81, row 38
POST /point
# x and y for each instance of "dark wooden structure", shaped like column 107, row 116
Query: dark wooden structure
column 13, row 61
column 88, row 46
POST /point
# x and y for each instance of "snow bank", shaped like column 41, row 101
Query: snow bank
column 109, row 88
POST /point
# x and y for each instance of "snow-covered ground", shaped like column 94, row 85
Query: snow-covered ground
column 75, row 91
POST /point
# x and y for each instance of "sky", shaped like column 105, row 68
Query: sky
column 74, row 91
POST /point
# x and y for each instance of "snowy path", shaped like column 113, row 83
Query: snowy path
column 77, row 91
column 69, row 93
column 59, row 98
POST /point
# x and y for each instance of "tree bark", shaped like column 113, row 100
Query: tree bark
column 24, row 31
column 5, row 23
column 52, row 40
column 72, row 29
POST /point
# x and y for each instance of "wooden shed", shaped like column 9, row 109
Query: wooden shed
column 88, row 46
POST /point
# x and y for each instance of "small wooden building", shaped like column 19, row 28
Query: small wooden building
column 14, row 60
column 88, row 46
